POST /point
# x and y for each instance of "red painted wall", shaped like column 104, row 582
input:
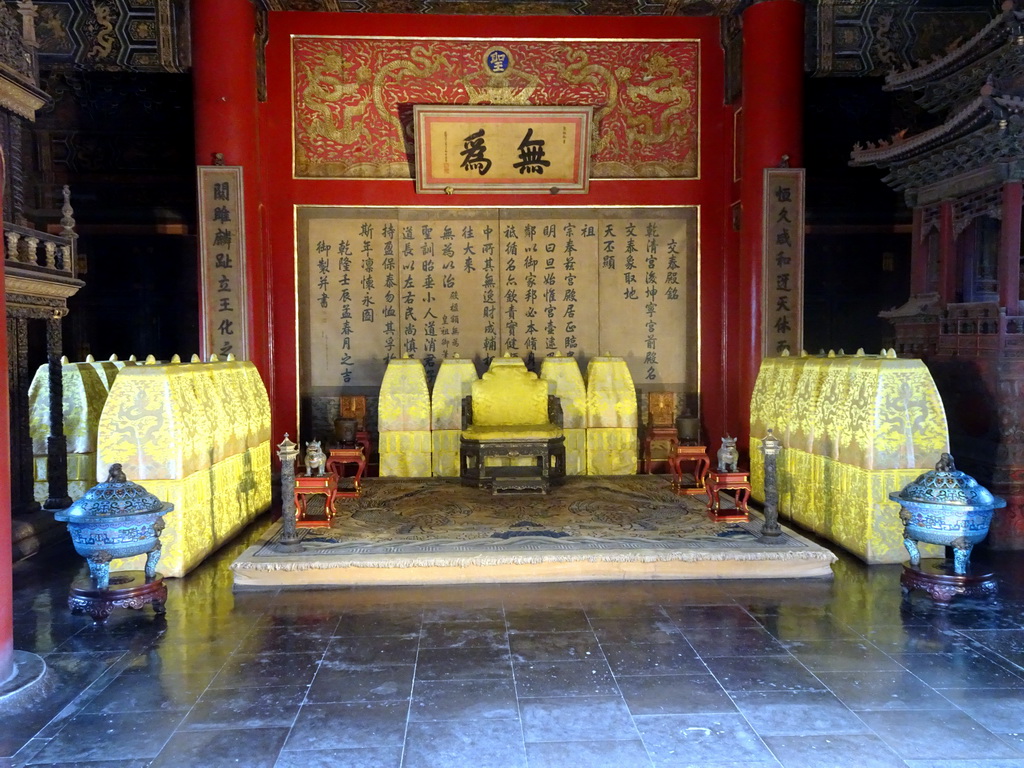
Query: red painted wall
column 712, row 191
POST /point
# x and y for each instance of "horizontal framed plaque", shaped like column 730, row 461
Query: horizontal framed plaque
column 491, row 149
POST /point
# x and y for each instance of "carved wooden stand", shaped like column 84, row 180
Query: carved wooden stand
column 936, row 577
column 128, row 589
column 716, row 481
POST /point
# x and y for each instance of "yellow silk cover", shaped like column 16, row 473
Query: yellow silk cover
column 611, row 451
column 575, row 451
column 566, row 382
column 513, row 432
column 153, row 424
column 454, row 381
column 404, row 404
column 405, row 454
column 509, row 396
column 853, row 429
column 85, row 393
column 446, row 452
column 611, row 396
column 170, row 427
column 506, row 360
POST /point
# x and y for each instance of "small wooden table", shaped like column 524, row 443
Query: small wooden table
column 698, row 455
column 306, row 486
column 661, row 434
column 717, row 481
column 337, row 460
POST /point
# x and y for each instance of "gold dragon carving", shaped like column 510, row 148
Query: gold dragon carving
column 422, row 63
column 664, row 84
column 327, row 85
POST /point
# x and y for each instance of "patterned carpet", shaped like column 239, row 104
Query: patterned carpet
column 589, row 527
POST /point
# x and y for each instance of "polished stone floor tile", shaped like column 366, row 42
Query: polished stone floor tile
column 581, row 718
column 802, row 713
column 144, row 693
column 712, row 616
column 539, row 619
column 88, row 737
column 790, row 673
column 980, row 763
column 749, row 641
column 564, row 678
column 361, row 624
column 465, row 634
column 592, row 754
column 674, row 694
column 463, row 664
column 248, row 669
column 675, row 658
column 349, row 726
column 1001, row 710
column 764, row 673
column 67, row 676
column 369, row 757
column 387, row 649
column 463, row 700
column 638, row 630
column 839, row 655
column 962, row 669
column 253, row 748
column 699, row 740
column 554, row 646
column 377, row 683
column 936, row 734
column 485, row 744
column 881, row 690
column 264, row 707
column 833, row 751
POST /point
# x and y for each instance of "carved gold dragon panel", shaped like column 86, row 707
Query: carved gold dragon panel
column 353, row 98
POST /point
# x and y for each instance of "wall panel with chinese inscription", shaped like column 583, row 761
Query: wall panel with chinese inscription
column 376, row 283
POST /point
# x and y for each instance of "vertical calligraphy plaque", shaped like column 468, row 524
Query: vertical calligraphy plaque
column 222, row 262
column 783, row 258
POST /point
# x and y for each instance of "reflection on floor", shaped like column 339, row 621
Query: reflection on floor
column 811, row 672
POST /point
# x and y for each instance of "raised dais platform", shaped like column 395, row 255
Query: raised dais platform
column 409, row 531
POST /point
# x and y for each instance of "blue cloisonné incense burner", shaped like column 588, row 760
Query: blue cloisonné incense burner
column 115, row 519
column 948, row 508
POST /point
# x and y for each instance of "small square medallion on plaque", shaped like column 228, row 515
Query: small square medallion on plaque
column 503, row 149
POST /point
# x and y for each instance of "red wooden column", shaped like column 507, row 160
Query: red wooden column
column 948, row 276
column 6, row 544
column 918, row 256
column 773, row 49
column 226, row 121
column 1009, row 248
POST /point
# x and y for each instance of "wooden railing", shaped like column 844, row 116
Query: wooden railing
column 51, row 253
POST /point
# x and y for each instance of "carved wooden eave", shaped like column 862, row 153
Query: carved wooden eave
column 37, row 292
column 1008, row 27
column 1002, row 67
column 977, row 147
column 18, row 96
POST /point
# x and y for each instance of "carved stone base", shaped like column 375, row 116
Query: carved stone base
column 128, row 589
column 936, row 577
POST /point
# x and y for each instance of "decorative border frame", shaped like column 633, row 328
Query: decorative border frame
column 442, row 134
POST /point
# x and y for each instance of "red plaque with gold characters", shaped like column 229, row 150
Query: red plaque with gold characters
column 502, row 149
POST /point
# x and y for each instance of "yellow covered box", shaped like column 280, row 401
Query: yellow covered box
column 853, row 428
column 170, row 428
